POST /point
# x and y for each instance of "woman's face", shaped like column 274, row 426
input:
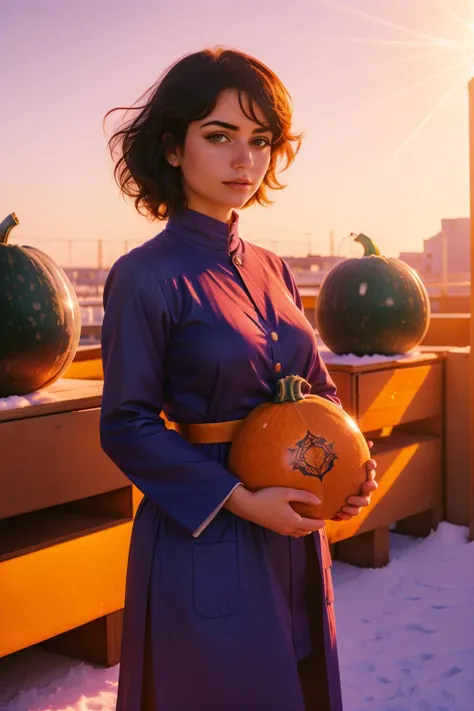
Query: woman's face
column 224, row 147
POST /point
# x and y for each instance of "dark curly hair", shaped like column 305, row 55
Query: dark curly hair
column 188, row 92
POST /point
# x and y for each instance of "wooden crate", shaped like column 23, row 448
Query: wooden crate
column 87, row 364
column 459, row 479
column 63, row 585
column 65, row 523
column 399, row 404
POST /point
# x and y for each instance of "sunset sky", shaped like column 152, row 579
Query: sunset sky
column 365, row 75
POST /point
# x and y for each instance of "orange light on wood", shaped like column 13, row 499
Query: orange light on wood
column 58, row 588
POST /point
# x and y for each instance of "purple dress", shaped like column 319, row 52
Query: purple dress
column 201, row 324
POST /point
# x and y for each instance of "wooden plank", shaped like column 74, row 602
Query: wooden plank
column 410, row 479
column 62, row 462
column 368, row 550
column 56, row 589
column 88, row 353
column 137, row 497
column 344, row 383
column 470, row 384
column 421, row 524
column 97, row 642
column 457, row 438
column 448, row 330
column 21, row 535
column 69, row 395
column 90, row 369
column 391, row 397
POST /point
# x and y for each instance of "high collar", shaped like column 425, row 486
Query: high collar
column 206, row 231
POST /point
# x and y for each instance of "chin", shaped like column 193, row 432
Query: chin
column 236, row 202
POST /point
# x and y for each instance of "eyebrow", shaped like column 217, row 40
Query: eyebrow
column 231, row 127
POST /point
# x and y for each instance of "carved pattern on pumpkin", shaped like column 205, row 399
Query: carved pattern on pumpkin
column 313, row 456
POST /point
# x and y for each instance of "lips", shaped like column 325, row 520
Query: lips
column 240, row 183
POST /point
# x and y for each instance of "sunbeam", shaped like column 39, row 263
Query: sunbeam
column 450, row 13
column 443, row 100
column 412, row 57
column 442, row 43
column 460, row 43
column 420, row 82
column 433, row 39
column 437, row 161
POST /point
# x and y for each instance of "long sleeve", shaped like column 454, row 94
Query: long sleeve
column 321, row 382
column 174, row 474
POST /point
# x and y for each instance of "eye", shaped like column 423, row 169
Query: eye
column 265, row 143
column 215, row 137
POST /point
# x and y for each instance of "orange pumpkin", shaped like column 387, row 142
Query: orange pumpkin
column 303, row 442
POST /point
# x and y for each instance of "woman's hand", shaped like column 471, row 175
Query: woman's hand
column 271, row 508
column 356, row 503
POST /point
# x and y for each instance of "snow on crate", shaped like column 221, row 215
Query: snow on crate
column 405, row 632
column 37, row 397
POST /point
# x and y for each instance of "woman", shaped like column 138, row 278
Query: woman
column 229, row 601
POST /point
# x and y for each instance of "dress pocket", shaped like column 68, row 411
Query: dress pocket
column 216, row 579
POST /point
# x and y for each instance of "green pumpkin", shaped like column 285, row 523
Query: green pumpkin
column 40, row 319
column 372, row 305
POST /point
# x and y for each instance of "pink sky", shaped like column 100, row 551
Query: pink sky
column 64, row 64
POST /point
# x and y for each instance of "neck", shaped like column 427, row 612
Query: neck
column 217, row 212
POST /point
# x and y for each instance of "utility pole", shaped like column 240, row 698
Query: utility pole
column 100, row 254
column 332, row 246
column 444, row 262
column 100, row 262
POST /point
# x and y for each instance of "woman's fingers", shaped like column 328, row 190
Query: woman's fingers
column 310, row 524
column 300, row 534
column 352, row 510
column 341, row 517
column 358, row 501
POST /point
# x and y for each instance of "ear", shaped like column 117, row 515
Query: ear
column 172, row 154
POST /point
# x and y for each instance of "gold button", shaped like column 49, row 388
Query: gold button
column 278, row 367
column 237, row 261
column 274, row 336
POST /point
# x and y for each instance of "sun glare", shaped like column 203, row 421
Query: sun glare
column 409, row 44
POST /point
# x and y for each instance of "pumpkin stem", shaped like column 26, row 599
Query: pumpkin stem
column 370, row 248
column 6, row 225
column 289, row 389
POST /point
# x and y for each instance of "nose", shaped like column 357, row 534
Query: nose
column 242, row 157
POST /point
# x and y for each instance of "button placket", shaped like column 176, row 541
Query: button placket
column 275, row 338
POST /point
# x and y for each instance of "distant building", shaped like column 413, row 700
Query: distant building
column 429, row 263
column 416, row 260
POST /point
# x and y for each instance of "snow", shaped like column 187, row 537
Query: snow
column 406, row 639
column 331, row 358
column 34, row 398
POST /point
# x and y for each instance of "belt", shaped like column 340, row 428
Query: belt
column 208, row 432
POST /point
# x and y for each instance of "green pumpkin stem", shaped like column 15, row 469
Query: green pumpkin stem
column 289, row 389
column 6, row 225
column 370, row 248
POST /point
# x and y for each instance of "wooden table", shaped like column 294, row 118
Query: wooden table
column 399, row 404
column 65, row 522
